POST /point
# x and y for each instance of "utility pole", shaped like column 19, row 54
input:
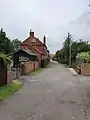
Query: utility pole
column 70, row 49
column 70, row 56
column 65, row 57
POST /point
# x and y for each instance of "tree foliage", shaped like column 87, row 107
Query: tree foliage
column 6, row 58
column 83, row 56
column 16, row 44
column 77, row 47
column 6, row 45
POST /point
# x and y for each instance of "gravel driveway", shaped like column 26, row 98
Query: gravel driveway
column 54, row 94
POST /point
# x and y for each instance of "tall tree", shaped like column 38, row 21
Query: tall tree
column 66, row 48
column 2, row 40
column 79, row 46
column 6, row 45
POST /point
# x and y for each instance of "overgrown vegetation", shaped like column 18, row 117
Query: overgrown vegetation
column 84, row 56
column 9, row 89
column 6, row 58
column 7, row 47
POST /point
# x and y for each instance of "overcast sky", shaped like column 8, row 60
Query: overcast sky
column 45, row 17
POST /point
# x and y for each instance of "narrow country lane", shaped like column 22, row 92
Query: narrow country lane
column 54, row 94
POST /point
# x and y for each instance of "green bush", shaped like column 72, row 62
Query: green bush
column 45, row 62
column 83, row 56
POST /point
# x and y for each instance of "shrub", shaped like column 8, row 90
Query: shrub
column 45, row 62
column 83, row 56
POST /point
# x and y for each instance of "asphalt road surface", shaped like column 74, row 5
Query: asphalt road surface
column 54, row 94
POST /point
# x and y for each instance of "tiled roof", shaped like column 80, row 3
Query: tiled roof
column 27, row 42
column 37, row 50
column 27, row 51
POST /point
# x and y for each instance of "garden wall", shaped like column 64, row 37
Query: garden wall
column 29, row 66
column 85, row 69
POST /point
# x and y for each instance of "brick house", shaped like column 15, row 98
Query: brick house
column 36, row 46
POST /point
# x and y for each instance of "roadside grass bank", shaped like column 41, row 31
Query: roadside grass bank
column 9, row 89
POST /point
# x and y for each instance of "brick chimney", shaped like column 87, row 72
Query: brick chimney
column 44, row 40
column 31, row 33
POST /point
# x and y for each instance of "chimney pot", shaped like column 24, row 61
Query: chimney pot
column 31, row 33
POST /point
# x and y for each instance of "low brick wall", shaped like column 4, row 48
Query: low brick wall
column 36, row 65
column 85, row 69
column 29, row 66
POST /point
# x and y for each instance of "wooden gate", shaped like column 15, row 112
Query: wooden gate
column 3, row 73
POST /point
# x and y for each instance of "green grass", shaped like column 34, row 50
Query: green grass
column 9, row 89
column 37, row 71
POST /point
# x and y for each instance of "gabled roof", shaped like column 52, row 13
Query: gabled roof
column 28, row 40
column 39, row 41
column 38, row 50
column 26, row 45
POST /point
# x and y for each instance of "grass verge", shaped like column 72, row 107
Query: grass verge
column 37, row 71
column 9, row 89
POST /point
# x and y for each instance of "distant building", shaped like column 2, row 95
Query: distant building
column 32, row 54
column 36, row 46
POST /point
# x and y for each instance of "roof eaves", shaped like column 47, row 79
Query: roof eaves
column 29, row 52
column 25, row 41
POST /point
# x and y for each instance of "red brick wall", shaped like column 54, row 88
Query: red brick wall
column 85, row 69
column 29, row 66
column 36, row 65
